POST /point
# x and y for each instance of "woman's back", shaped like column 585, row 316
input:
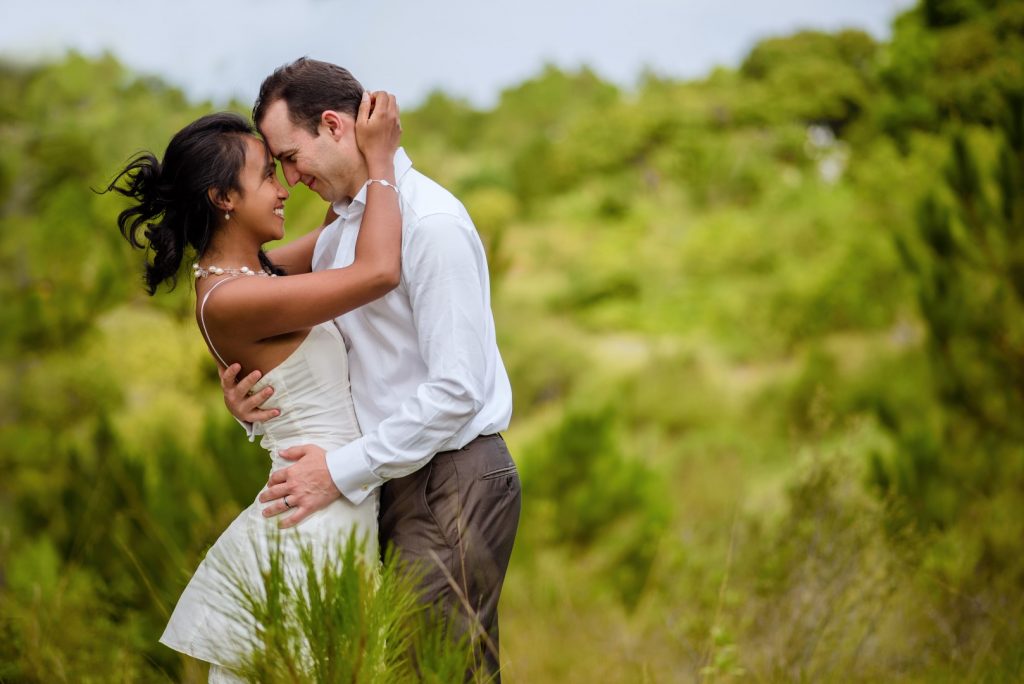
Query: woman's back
column 312, row 391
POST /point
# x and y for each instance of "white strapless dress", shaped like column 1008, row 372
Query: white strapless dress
column 312, row 391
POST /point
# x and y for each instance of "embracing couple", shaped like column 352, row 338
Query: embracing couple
column 366, row 349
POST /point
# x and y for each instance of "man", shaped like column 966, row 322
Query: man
column 430, row 390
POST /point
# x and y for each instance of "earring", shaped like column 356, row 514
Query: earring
column 227, row 215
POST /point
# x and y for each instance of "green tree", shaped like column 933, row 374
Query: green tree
column 959, row 463
column 968, row 260
column 814, row 76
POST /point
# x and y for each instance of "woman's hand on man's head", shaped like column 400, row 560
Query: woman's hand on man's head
column 378, row 131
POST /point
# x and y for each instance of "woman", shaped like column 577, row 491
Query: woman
column 216, row 191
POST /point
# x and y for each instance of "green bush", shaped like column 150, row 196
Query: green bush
column 592, row 496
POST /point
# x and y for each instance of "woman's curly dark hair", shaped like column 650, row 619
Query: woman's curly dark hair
column 172, row 208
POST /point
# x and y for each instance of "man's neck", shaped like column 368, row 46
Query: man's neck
column 359, row 177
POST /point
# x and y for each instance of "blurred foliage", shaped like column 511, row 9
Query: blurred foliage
column 815, row 76
column 764, row 333
column 967, row 257
column 594, row 498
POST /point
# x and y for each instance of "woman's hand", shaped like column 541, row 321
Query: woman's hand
column 378, row 132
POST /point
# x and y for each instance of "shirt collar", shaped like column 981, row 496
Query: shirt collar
column 402, row 166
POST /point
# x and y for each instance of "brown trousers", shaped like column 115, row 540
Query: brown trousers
column 456, row 519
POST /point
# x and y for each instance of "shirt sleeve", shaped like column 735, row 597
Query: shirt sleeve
column 252, row 430
column 443, row 263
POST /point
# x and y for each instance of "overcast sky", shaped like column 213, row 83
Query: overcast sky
column 222, row 48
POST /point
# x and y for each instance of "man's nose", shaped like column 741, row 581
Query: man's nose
column 290, row 174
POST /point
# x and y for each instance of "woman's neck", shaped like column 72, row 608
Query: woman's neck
column 231, row 253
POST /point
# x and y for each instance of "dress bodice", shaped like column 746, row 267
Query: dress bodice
column 311, row 389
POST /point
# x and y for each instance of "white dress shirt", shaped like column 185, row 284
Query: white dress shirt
column 425, row 370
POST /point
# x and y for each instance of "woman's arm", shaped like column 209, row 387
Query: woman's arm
column 258, row 308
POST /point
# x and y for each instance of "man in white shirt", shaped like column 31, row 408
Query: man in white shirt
column 429, row 387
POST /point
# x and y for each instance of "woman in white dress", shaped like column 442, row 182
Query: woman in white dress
column 216, row 191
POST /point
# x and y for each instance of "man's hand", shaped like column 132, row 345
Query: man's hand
column 243, row 406
column 307, row 485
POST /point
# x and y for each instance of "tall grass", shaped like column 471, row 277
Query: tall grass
column 336, row 615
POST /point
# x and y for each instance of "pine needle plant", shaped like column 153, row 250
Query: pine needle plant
column 330, row 615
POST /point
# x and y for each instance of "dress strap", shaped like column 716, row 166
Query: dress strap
column 202, row 319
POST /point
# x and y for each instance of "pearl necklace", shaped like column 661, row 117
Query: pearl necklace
column 204, row 272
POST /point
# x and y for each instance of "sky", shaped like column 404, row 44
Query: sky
column 218, row 49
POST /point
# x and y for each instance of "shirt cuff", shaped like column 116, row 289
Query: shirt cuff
column 351, row 472
column 252, row 430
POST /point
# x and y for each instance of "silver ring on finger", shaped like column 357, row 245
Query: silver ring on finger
column 286, row 504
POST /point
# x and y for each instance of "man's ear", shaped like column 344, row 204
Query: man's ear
column 334, row 123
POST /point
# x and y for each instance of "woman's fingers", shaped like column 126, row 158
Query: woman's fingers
column 368, row 108
column 380, row 104
column 379, row 133
column 377, row 106
column 384, row 106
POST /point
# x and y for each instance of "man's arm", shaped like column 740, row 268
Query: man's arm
column 444, row 265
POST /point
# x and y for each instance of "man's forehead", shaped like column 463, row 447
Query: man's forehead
column 278, row 129
column 277, row 145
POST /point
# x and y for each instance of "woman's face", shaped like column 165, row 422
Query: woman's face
column 259, row 207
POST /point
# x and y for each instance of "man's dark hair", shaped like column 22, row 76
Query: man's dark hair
column 309, row 87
